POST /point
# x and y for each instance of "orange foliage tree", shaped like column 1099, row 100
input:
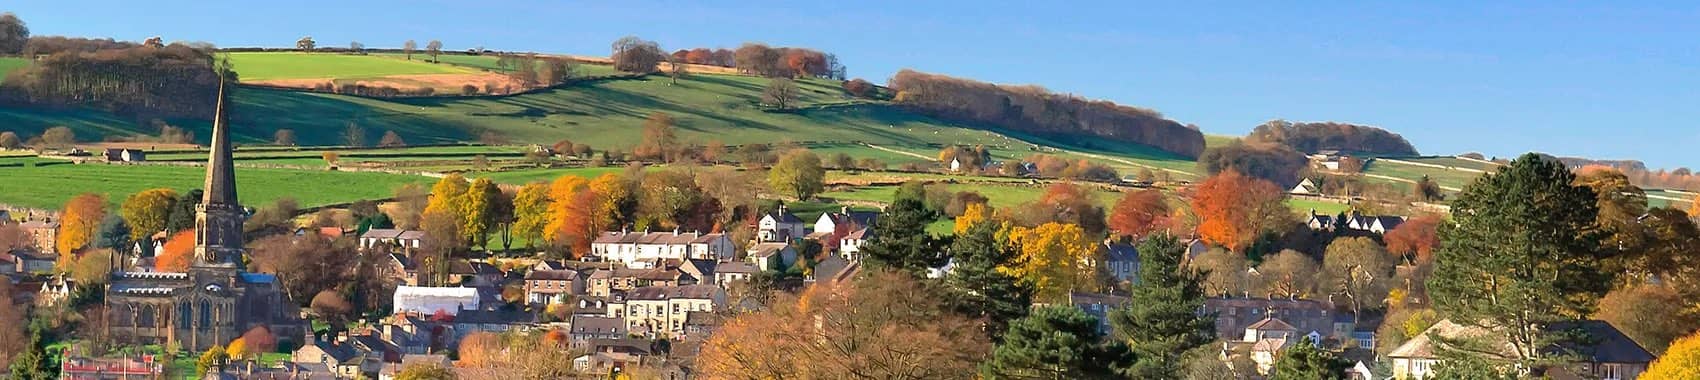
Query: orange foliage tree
column 1234, row 209
column 567, row 225
column 886, row 325
column 78, row 223
column 1139, row 213
column 1416, row 238
column 176, row 254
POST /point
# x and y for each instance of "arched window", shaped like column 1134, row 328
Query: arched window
column 184, row 315
column 206, row 313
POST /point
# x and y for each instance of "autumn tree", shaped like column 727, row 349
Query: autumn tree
column 1519, row 255
column 1139, row 213
column 975, row 214
column 10, row 140
column 1680, row 362
column 1359, row 270
column 425, row 371
column 284, row 137
column 798, row 173
column 567, row 211
column 479, row 209
column 391, row 140
column 883, row 325
column 780, row 93
column 1067, row 203
column 1056, row 342
column 303, row 266
column 1272, row 162
column 58, row 137
column 1234, row 209
column 147, row 211
column 331, row 306
column 1288, row 274
column 859, row 88
column 480, row 349
column 659, row 141
column 1414, row 239
column 1056, row 259
column 1224, row 272
column 1161, row 321
column 78, row 223
column 611, row 202
column 670, row 199
column 13, row 338
column 1651, row 314
column 531, row 213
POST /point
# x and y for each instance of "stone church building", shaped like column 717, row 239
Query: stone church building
column 215, row 301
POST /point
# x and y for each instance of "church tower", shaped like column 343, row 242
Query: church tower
column 218, row 219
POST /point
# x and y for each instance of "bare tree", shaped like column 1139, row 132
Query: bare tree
column 13, row 34
column 675, row 69
column 780, row 93
column 356, row 47
column 408, row 47
column 305, row 44
column 636, row 55
column 434, row 48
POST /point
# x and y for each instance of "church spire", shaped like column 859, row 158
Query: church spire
column 221, row 176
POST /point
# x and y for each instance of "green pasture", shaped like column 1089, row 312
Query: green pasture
column 51, row 185
column 255, row 66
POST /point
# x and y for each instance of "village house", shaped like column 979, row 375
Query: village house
column 1122, row 262
column 780, row 226
column 1234, row 315
column 431, row 300
column 700, row 271
column 125, row 155
column 401, row 269
column 583, row 329
column 661, row 311
column 1098, row 306
column 640, row 249
column 339, row 355
column 553, row 286
column 832, row 227
column 1607, row 353
column 850, row 246
column 29, row 260
column 498, row 320
column 43, row 232
column 1305, row 187
column 606, row 282
column 406, row 241
column 1353, row 222
column 771, row 256
column 475, row 274
column 729, row 272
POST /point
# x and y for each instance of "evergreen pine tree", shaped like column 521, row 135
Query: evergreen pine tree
column 901, row 241
column 31, row 364
column 1521, row 254
column 1161, row 321
column 1304, row 361
column 981, row 290
column 1055, row 342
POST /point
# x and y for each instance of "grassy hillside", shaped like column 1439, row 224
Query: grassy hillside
column 7, row 64
column 254, row 66
column 488, row 62
column 50, row 186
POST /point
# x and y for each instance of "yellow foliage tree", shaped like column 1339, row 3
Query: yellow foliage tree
column 1056, row 258
column 78, row 223
column 238, row 349
column 448, row 195
column 1694, row 208
column 1680, row 362
column 564, row 193
column 531, row 212
column 146, row 211
column 478, row 209
column 975, row 213
column 611, row 192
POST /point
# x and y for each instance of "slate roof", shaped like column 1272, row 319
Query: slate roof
column 784, row 217
column 736, row 267
column 463, row 267
column 1272, row 324
column 1120, row 252
column 831, row 267
column 655, row 238
column 1600, row 342
column 500, row 316
column 583, row 324
column 563, row 274
column 658, row 293
column 767, row 249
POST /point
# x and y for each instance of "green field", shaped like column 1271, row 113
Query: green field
column 7, row 64
column 996, row 195
column 50, row 186
column 1451, row 179
column 254, row 66
column 1321, row 207
column 524, row 176
column 488, row 63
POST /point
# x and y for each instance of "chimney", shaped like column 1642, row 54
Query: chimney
column 844, row 210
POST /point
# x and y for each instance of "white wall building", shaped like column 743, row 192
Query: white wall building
column 639, row 249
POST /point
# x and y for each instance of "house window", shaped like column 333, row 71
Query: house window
column 1611, row 371
column 1419, row 368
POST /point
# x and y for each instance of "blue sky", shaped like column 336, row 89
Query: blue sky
column 1590, row 79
